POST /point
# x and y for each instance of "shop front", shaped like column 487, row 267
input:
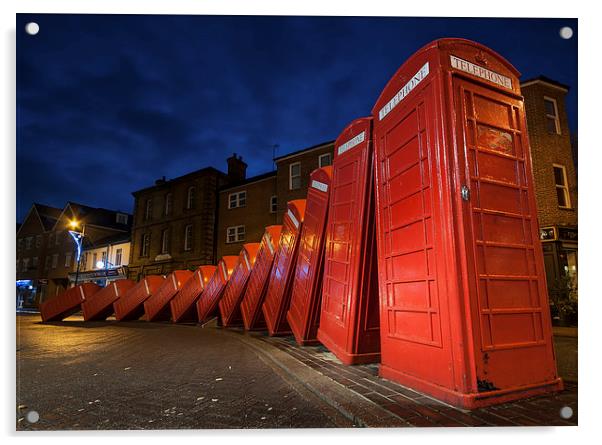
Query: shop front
column 102, row 277
column 559, row 245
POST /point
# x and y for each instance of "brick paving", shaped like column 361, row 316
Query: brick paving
column 418, row 410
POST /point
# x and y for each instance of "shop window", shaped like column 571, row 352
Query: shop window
column 273, row 204
column 237, row 199
column 188, row 237
column 118, row 256
column 562, row 187
column 235, row 234
column 324, row 160
column 552, row 120
column 294, row 176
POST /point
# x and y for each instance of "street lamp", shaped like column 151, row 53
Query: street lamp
column 78, row 237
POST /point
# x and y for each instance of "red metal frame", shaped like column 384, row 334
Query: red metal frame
column 278, row 294
column 100, row 305
column 209, row 299
column 156, row 307
column 131, row 305
column 464, row 306
column 304, row 313
column 349, row 322
column 229, row 305
column 67, row 302
column 257, row 284
column 183, row 305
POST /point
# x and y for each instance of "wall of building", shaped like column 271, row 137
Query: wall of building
column 309, row 162
column 202, row 216
column 88, row 263
column 254, row 216
column 548, row 149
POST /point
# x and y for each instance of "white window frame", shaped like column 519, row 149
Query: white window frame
column 322, row 156
column 121, row 218
column 168, row 204
column 236, row 233
column 55, row 260
column 118, row 256
column 273, row 205
column 144, row 252
column 188, row 244
column 165, row 241
column 68, row 256
column 291, row 177
column 148, row 211
column 190, row 197
column 564, row 187
column 238, row 197
column 556, row 117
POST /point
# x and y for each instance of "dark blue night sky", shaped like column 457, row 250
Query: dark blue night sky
column 106, row 104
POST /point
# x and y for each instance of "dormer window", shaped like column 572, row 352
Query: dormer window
column 122, row 218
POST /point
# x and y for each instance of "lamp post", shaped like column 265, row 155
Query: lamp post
column 78, row 237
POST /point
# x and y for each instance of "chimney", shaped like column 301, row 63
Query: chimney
column 237, row 168
column 160, row 181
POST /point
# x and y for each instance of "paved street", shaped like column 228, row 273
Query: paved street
column 139, row 375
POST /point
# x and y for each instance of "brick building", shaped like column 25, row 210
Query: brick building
column 46, row 253
column 175, row 220
column 555, row 180
column 247, row 207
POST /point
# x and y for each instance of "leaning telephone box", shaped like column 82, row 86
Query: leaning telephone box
column 464, row 308
column 278, row 295
column 304, row 312
column 131, row 305
column 209, row 299
column 349, row 324
column 183, row 305
column 100, row 305
column 257, row 285
column 68, row 302
column 229, row 305
column 156, row 307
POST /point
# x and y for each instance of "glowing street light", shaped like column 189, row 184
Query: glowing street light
column 78, row 237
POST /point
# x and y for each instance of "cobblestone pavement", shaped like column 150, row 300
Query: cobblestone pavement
column 139, row 375
column 415, row 409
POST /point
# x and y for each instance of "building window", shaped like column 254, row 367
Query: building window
column 190, row 198
column 94, row 260
column 34, row 262
column 85, row 261
column 235, row 234
column 57, row 238
column 294, row 176
column 165, row 241
column 237, row 199
column 118, row 255
column 148, row 213
column 168, row 203
column 324, row 160
column 562, row 187
column 552, row 120
column 55, row 260
column 188, row 237
column 50, row 238
column 47, row 263
column 145, row 244
column 20, row 244
column 122, row 218
column 38, row 241
column 273, row 204
column 28, row 241
column 25, row 265
column 68, row 259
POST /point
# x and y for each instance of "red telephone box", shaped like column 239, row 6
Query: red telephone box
column 67, row 302
column 304, row 312
column 278, row 295
column 349, row 324
column 229, row 305
column 209, row 299
column 131, row 305
column 464, row 308
column 156, row 307
column 257, row 284
column 100, row 305
column 183, row 305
